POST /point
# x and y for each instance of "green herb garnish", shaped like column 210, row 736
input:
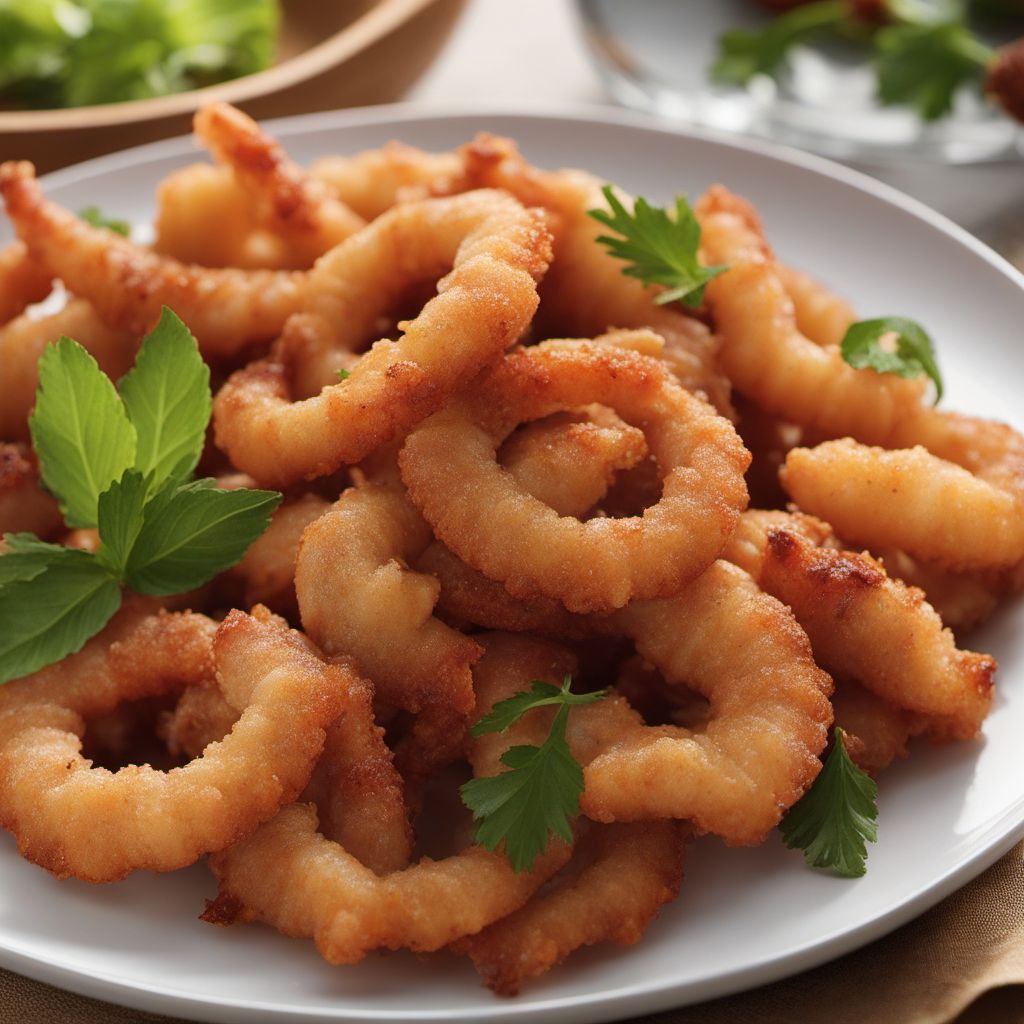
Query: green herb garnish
column 71, row 53
column 122, row 463
column 659, row 248
column 540, row 793
column 98, row 219
column 924, row 65
column 343, row 375
column 744, row 53
column 911, row 356
column 836, row 817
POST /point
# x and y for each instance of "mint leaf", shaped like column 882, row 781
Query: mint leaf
column 508, row 712
column 94, row 215
column 925, row 65
column 742, row 53
column 834, row 818
column 27, row 557
column 80, row 430
column 193, row 532
column 540, row 795
column 54, row 613
column 912, row 355
column 657, row 248
column 167, row 395
column 121, row 519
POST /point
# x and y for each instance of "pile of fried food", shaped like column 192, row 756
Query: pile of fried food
column 502, row 461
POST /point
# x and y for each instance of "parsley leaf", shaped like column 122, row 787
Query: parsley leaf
column 52, row 614
column 658, row 248
column 913, row 354
column 167, row 395
column 80, row 430
column 834, row 818
column 540, row 793
column 742, row 53
column 94, row 215
column 924, row 65
column 343, row 375
column 192, row 532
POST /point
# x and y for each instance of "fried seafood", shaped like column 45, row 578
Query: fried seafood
column 93, row 824
column 495, row 526
column 289, row 875
column 23, row 340
column 585, row 292
column 921, row 504
column 227, row 309
column 357, row 597
column 24, row 505
column 764, row 353
column 299, row 211
column 667, row 663
column 491, row 250
column 866, row 626
column 618, row 879
column 22, row 281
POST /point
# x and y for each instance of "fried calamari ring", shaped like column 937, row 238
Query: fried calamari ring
column 763, row 351
column 22, row 281
column 876, row 731
column 301, row 213
column 225, row 308
column 373, row 181
column 359, row 794
column 585, row 291
column 24, row 505
column 909, row 499
column 769, row 714
column 204, row 218
column 619, row 878
column 99, row 826
column 266, row 573
column 821, row 315
column 866, row 626
column 495, row 526
column 357, row 597
column 23, row 340
column 495, row 251
column 290, row 876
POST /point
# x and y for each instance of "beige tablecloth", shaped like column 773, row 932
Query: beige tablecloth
column 962, row 961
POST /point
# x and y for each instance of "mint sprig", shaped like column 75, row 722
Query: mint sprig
column 911, row 356
column 836, row 817
column 539, row 795
column 121, row 463
column 659, row 248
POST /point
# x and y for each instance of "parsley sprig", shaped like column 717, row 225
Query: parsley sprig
column 120, row 460
column 98, row 219
column 923, row 52
column 911, row 356
column 659, row 248
column 836, row 817
column 540, row 793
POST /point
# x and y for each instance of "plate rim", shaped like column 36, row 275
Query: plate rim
column 1004, row 833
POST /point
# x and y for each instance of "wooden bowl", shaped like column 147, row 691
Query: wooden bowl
column 332, row 53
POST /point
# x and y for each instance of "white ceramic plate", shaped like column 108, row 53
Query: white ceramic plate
column 745, row 917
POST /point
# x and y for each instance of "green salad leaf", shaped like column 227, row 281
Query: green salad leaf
column 70, row 53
